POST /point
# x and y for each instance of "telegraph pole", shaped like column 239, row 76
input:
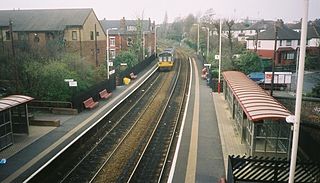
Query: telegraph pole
column 274, row 57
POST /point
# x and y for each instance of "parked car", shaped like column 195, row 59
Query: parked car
column 258, row 77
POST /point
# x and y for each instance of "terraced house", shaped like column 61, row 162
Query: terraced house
column 50, row 31
column 124, row 33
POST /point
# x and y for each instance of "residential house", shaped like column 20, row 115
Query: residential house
column 287, row 44
column 313, row 36
column 123, row 34
column 54, row 30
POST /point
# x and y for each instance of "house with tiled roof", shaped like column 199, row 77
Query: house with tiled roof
column 287, row 43
column 72, row 30
column 123, row 33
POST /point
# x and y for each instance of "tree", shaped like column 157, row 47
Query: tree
column 249, row 62
column 127, row 57
column 229, row 24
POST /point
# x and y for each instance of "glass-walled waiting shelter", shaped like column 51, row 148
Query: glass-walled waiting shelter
column 259, row 118
column 14, row 118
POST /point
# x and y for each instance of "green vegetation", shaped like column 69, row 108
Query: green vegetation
column 249, row 62
column 42, row 76
column 128, row 57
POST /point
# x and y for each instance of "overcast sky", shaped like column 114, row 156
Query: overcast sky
column 288, row 10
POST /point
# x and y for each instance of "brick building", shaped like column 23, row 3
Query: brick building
column 53, row 30
column 123, row 33
column 287, row 43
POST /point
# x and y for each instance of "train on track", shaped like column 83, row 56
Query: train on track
column 166, row 59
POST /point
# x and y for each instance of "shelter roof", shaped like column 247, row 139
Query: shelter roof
column 255, row 102
column 13, row 100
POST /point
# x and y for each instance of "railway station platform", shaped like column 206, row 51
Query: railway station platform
column 208, row 135
column 207, row 138
column 31, row 152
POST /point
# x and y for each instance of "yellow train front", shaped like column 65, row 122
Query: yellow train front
column 166, row 59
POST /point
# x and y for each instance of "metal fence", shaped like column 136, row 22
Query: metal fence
column 269, row 169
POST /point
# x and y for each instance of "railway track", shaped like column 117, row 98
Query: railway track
column 153, row 163
column 119, row 141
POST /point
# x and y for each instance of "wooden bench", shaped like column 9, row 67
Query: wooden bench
column 90, row 104
column 132, row 76
column 105, row 94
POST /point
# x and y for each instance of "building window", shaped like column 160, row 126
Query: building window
column 280, row 43
column 129, row 41
column 112, row 41
column 298, row 42
column 113, row 53
column 74, row 35
column 259, row 44
column 290, row 56
column 97, row 33
column 8, row 36
column 288, row 43
column 91, row 35
column 131, row 28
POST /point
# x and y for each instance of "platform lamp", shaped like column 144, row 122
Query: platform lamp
column 198, row 38
column 219, row 77
column 208, row 39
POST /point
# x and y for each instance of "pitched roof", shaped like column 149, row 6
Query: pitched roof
column 263, row 24
column 313, row 31
column 108, row 24
column 43, row 19
column 284, row 33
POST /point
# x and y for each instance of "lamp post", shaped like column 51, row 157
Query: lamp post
column 296, row 124
column 208, row 39
column 198, row 38
column 219, row 78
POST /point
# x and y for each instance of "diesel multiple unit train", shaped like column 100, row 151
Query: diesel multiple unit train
column 166, row 59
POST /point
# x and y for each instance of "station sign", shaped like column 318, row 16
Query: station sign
column 68, row 80
column 73, row 83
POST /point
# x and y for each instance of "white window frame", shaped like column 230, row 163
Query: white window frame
column 74, row 35
column 112, row 41
column 113, row 53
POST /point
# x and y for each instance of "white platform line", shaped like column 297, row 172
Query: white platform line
column 174, row 161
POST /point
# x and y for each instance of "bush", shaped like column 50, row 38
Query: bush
column 249, row 62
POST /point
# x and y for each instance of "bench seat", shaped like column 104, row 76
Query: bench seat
column 104, row 94
column 90, row 103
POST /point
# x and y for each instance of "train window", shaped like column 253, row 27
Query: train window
column 169, row 59
column 160, row 59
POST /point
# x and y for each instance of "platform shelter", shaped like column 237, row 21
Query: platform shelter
column 14, row 118
column 259, row 118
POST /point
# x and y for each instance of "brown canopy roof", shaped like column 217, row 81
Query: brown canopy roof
column 13, row 100
column 255, row 102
